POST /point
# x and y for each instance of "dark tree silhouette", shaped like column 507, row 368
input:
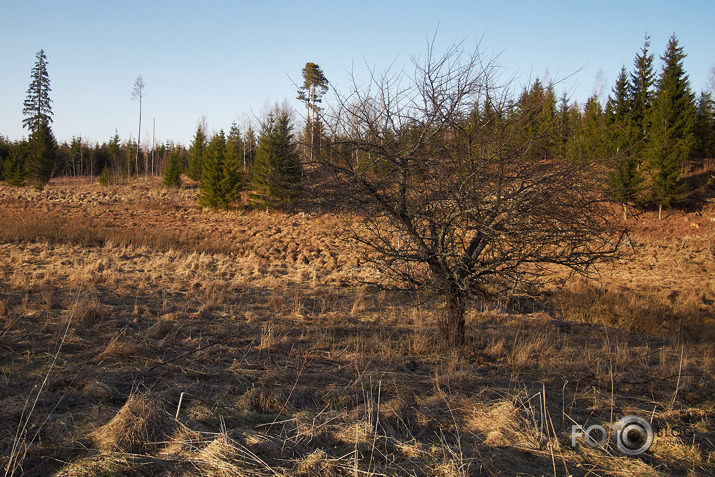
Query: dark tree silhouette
column 448, row 192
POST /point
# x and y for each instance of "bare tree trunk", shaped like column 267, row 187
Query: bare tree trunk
column 453, row 322
column 139, row 139
column 153, row 145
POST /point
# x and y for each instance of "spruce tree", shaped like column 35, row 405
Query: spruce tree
column 38, row 105
column 196, row 153
column 641, row 102
column 704, row 128
column 14, row 167
column 211, row 188
column 536, row 108
column 172, row 172
column 572, row 142
column 276, row 168
column 593, row 131
column 233, row 172
column 234, row 145
column 618, row 115
column 672, row 121
column 564, row 127
column 105, row 177
column 250, row 144
column 42, row 156
column 42, row 148
column 625, row 180
column 5, row 147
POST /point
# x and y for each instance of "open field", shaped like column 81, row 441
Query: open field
column 141, row 335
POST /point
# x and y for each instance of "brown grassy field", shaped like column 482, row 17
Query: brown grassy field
column 140, row 335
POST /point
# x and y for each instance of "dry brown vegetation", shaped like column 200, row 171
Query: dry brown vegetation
column 141, row 335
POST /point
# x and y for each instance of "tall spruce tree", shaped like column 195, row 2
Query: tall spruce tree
column 232, row 173
column 642, row 81
column 234, row 144
column 42, row 146
column 672, row 121
column 38, row 105
column 625, row 180
column 593, row 131
column 196, row 152
column 276, row 168
column 618, row 115
column 537, row 109
column 210, row 188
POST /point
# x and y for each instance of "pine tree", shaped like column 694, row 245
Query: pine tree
column 276, row 169
column 172, row 172
column 211, row 193
column 315, row 85
column 673, row 117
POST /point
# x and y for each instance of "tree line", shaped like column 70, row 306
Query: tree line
column 464, row 185
column 650, row 125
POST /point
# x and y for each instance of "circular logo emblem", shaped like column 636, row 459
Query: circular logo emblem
column 634, row 435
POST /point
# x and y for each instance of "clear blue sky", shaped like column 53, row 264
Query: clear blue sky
column 227, row 60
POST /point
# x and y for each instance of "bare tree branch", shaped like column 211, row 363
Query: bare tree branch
column 440, row 168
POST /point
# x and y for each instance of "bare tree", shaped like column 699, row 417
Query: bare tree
column 438, row 168
column 138, row 95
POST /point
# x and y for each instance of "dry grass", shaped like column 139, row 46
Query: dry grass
column 140, row 425
column 284, row 366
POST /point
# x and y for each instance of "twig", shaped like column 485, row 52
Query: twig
column 178, row 407
column 200, row 348
column 677, row 384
